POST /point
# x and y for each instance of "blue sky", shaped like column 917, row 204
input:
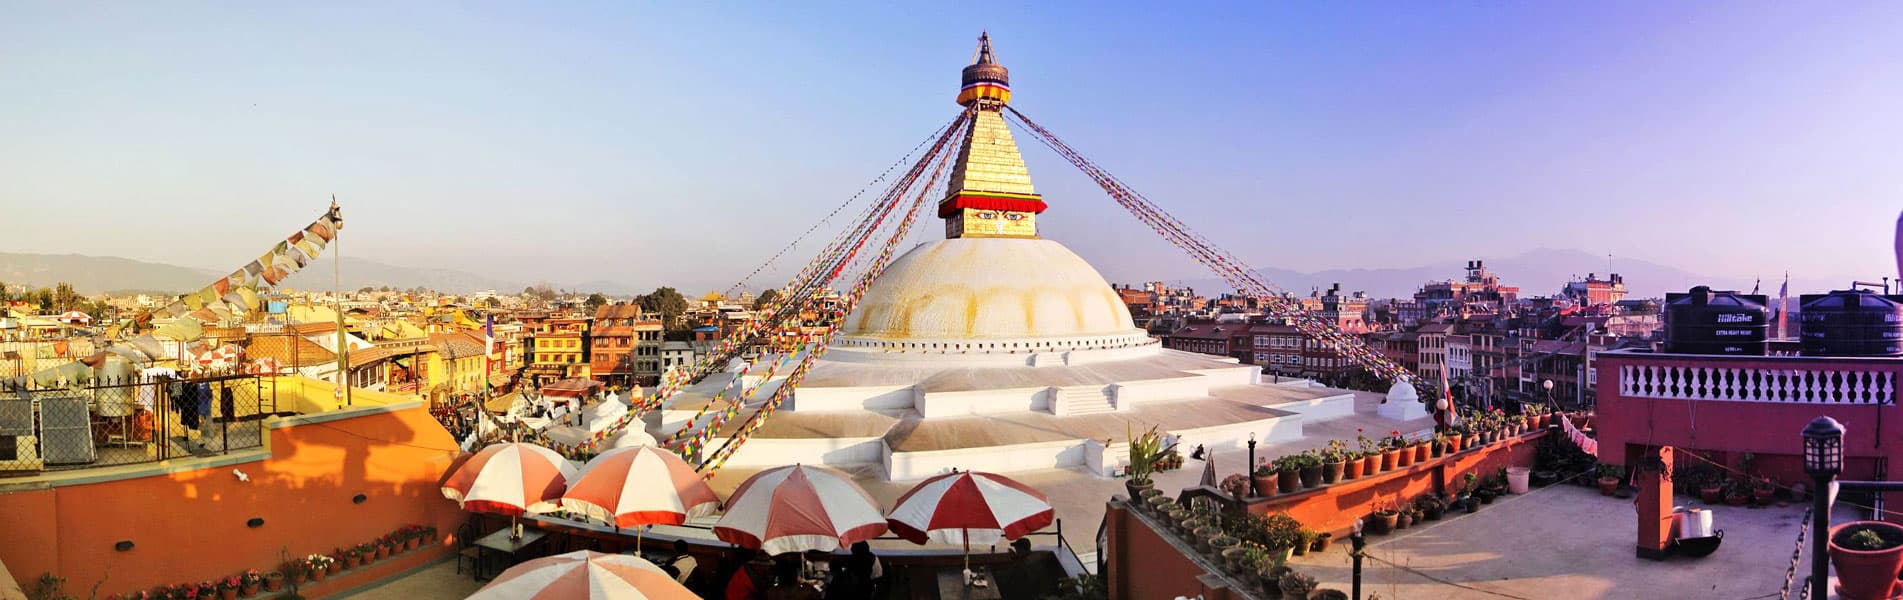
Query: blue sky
column 682, row 143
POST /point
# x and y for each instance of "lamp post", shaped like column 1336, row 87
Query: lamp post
column 1356, row 545
column 1251, row 468
column 1823, row 460
column 1548, row 386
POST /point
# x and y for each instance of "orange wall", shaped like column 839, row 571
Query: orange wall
column 191, row 525
column 1162, row 573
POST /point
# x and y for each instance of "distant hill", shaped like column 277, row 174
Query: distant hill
column 97, row 274
column 1538, row 272
column 111, row 274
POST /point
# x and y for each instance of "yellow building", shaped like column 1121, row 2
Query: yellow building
column 456, row 367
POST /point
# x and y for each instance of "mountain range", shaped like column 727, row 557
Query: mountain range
column 1537, row 272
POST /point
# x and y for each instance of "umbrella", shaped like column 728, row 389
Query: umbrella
column 971, row 506
column 631, row 487
column 584, row 574
column 266, row 366
column 510, row 479
column 799, row 508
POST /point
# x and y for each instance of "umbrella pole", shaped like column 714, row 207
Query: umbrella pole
column 637, row 540
column 966, row 534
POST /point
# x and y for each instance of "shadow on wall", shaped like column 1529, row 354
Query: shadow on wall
column 197, row 524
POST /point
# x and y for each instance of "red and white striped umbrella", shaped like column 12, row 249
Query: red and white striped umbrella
column 630, row 487
column 799, row 508
column 266, row 366
column 972, row 507
column 510, row 479
column 584, row 574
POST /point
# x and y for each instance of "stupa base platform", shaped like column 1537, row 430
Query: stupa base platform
column 910, row 447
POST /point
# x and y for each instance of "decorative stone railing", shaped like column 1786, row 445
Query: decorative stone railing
column 1683, row 377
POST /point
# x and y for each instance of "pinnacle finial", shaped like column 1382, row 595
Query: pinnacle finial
column 985, row 78
column 984, row 56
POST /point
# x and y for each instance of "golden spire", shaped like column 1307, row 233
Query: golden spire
column 990, row 194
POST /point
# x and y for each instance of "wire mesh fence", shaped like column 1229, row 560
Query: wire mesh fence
column 119, row 421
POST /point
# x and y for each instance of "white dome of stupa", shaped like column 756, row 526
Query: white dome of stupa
column 1403, row 391
column 989, row 289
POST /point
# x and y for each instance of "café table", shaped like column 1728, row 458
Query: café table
column 501, row 542
column 951, row 585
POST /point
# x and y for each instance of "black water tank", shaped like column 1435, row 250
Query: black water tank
column 1715, row 322
column 1852, row 323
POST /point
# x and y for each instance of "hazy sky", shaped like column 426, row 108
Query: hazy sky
column 685, row 142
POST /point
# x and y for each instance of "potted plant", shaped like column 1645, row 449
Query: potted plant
column 1421, row 450
column 1232, row 558
column 228, row 588
column 249, row 582
column 1333, row 594
column 1430, row 507
column 1397, row 453
column 1280, row 534
column 1404, row 517
column 1351, row 465
column 1370, row 454
column 1177, row 516
column 1296, row 585
column 1219, row 543
column 1383, row 519
column 366, row 554
column 1304, row 539
column 208, row 590
column 1265, row 478
column 273, row 581
column 1437, row 446
column 1142, row 499
column 1763, row 490
column 336, row 562
column 1288, row 473
column 1310, row 468
column 296, row 571
column 1609, row 477
column 1159, row 506
column 1320, row 544
column 1737, row 492
column 1867, row 555
column 1144, row 451
column 415, row 538
column 1203, row 536
column 321, row 565
column 1334, row 461
column 1272, row 571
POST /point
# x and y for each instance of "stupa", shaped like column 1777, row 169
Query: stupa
column 995, row 349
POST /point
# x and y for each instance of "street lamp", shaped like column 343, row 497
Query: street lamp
column 1823, row 460
column 1250, row 469
column 1548, row 385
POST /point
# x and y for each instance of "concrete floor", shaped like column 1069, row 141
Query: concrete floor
column 437, row 580
column 1566, row 542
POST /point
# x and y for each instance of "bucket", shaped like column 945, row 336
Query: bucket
column 1694, row 523
column 1517, row 478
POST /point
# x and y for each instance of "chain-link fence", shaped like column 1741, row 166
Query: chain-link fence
column 113, row 421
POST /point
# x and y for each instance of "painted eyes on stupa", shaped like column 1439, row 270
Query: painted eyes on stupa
column 1014, row 216
column 987, row 215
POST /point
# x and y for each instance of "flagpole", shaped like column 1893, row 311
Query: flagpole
column 337, row 288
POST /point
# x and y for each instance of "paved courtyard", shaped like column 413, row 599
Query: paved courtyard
column 1566, row 542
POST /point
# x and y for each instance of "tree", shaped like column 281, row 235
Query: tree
column 64, row 298
column 667, row 302
column 44, row 298
column 767, row 297
column 595, row 300
column 366, row 289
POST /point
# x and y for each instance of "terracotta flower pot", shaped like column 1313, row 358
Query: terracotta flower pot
column 1264, row 484
column 1382, row 523
column 1420, row 453
column 1288, row 480
column 412, row 543
column 1607, row 485
column 1300, row 549
column 1388, row 457
column 1332, row 471
column 1711, row 495
column 1351, row 469
column 1454, row 443
column 228, row 594
column 1866, row 574
column 319, row 574
column 1321, row 542
column 1435, row 449
column 1311, row 476
column 298, row 578
column 248, row 590
column 1370, row 465
column 1403, row 457
column 335, row 566
column 1763, row 496
column 350, row 562
column 273, row 582
column 1737, row 499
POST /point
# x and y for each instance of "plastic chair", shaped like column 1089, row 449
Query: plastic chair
column 466, row 549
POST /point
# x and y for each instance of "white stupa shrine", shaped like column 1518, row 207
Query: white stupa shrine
column 997, row 350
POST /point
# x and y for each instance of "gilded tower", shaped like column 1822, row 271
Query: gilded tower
column 990, row 193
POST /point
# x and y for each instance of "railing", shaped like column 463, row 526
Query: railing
column 1804, row 382
column 133, row 420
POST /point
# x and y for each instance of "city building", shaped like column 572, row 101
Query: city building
column 1593, row 291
